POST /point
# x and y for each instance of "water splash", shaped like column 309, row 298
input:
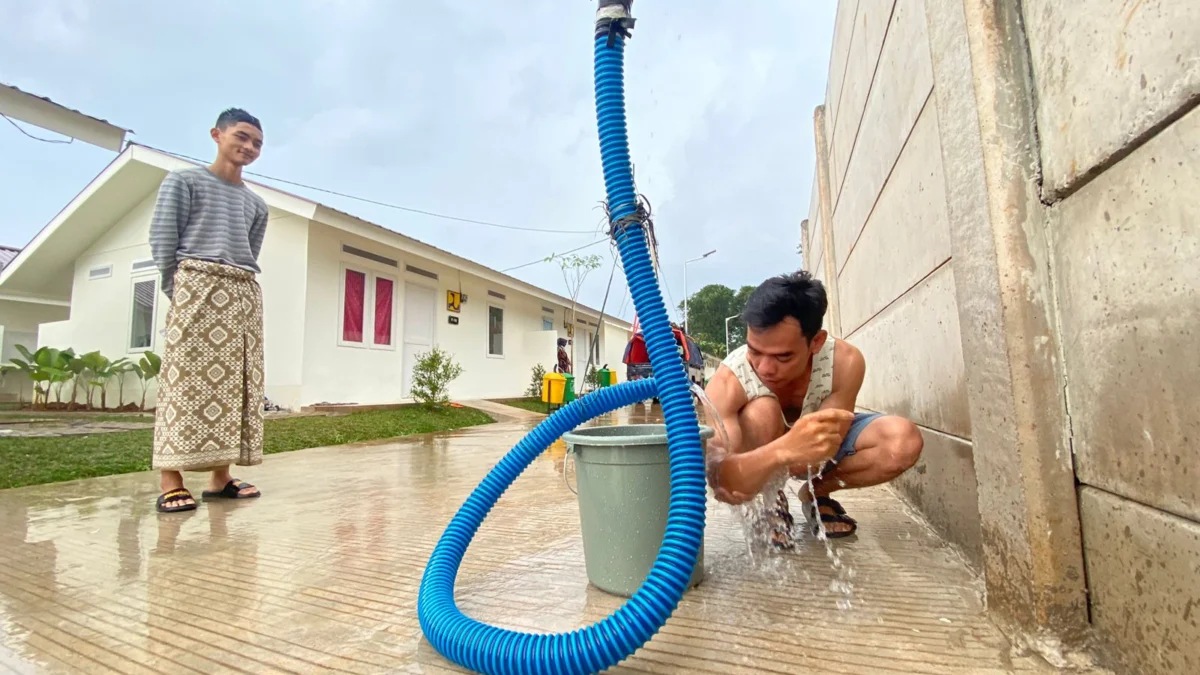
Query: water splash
column 771, row 548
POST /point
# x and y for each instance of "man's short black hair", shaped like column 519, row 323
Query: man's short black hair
column 235, row 115
column 797, row 295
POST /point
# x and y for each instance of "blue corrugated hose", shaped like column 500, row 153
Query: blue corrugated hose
column 496, row 651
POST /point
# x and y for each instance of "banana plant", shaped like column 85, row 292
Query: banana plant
column 77, row 368
column 120, row 369
column 46, row 367
column 96, row 373
column 146, row 369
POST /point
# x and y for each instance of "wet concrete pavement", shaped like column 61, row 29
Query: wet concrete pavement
column 321, row 575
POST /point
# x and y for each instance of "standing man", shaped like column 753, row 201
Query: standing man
column 206, row 234
column 787, row 398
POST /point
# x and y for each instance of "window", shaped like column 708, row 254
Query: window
column 495, row 330
column 383, row 310
column 353, row 306
column 141, row 328
column 547, row 323
column 100, row 272
column 368, row 309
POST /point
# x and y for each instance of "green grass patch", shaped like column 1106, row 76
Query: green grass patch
column 26, row 416
column 532, row 404
column 33, row 461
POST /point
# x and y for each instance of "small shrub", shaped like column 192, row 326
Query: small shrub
column 432, row 375
column 535, row 381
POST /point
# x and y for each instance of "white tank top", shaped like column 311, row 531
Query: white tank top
column 820, row 385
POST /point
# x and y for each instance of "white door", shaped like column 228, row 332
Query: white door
column 420, row 305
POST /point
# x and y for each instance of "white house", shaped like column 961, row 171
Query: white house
column 347, row 303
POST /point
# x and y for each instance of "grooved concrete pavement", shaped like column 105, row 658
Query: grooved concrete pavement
column 321, row 575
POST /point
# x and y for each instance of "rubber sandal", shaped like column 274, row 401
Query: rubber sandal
column 838, row 516
column 232, row 490
column 175, row 496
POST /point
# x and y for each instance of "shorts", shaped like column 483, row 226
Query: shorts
column 861, row 420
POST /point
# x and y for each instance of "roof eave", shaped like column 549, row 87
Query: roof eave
column 42, row 112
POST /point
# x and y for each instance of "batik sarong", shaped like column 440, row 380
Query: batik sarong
column 210, row 397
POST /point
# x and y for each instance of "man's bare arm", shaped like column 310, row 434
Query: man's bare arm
column 848, row 375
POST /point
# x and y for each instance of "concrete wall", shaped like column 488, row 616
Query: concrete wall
column 19, row 326
column 1116, row 88
column 1010, row 236
column 889, row 240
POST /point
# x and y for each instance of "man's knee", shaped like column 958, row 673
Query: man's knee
column 761, row 421
column 901, row 441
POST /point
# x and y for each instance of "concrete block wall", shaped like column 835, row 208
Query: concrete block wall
column 1047, row 154
column 1116, row 85
column 890, row 242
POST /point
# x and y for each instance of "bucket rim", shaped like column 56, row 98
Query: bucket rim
column 587, row 436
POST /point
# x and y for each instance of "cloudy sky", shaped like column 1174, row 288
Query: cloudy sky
column 481, row 110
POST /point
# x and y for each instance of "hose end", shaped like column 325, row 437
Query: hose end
column 613, row 18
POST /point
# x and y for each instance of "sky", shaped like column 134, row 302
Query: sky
column 460, row 107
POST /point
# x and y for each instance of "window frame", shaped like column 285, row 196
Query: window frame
column 368, row 341
column 371, row 280
column 487, row 330
column 143, row 276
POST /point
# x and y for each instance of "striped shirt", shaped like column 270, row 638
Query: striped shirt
column 203, row 217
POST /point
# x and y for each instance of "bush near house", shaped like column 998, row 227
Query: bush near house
column 432, row 375
column 51, row 371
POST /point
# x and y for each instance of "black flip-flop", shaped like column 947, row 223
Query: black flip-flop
column 175, row 496
column 838, row 516
column 232, row 490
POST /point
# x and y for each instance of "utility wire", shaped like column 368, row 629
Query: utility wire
column 36, row 138
column 409, row 209
column 534, row 262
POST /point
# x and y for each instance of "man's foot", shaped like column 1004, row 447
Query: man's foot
column 175, row 500
column 781, row 523
column 833, row 517
column 233, row 489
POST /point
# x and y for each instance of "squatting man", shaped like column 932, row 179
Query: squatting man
column 787, row 401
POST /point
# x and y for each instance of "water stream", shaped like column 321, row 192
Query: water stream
column 770, row 548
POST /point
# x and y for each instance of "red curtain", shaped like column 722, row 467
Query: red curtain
column 352, row 316
column 383, row 311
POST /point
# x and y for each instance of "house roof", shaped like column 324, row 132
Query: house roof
column 137, row 171
column 7, row 253
column 42, row 112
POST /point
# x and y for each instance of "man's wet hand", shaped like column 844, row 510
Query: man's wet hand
column 815, row 437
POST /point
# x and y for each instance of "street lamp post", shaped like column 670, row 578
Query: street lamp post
column 727, row 332
column 685, row 288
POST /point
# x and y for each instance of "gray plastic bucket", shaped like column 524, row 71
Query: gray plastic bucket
column 624, row 478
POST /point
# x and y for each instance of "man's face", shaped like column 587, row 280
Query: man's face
column 780, row 354
column 239, row 144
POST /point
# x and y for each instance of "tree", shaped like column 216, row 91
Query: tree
column 575, row 269
column 707, row 310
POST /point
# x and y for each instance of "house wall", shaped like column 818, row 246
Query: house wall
column 335, row 373
column 101, row 309
column 19, row 326
column 889, row 245
column 1013, row 238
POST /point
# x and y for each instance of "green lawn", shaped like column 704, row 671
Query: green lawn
column 534, row 404
column 33, row 461
column 28, row 416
